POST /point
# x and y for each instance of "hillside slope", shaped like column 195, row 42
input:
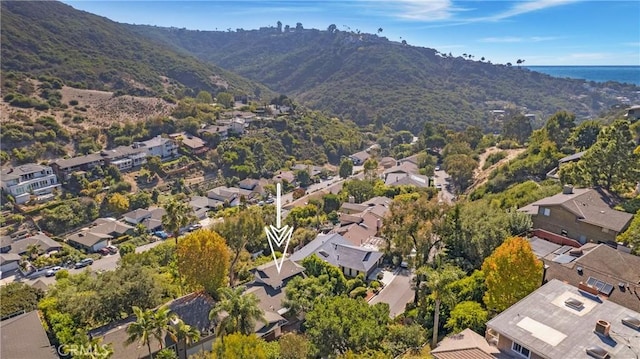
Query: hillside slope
column 89, row 51
column 368, row 78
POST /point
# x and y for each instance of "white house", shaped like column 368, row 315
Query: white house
column 237, row 125
column 160, row 146
column 30, row 179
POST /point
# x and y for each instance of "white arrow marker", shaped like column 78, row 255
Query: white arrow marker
column 278, row 235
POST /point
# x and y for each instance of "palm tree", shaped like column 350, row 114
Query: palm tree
column 184, row 333
column 438, row 280
column 162, row 319
column 242, row 312
column 178, row 215
column 142, row 330
column 33, row 250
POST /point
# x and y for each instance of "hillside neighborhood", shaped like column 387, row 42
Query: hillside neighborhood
column 295, row 193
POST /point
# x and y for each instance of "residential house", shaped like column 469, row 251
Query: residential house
column 281, row 176
column 351, row 208
column 193, row 144
column 192, row 308
column 20, row 246
column 231, row 195
column 338, row 251
column 312, row 170
column 466, row 344
column 159, row 146
column 28, row 180
column 633, row 113
column 220, row 130
column 63, row 168
column 252, row 185
column 553, row 174
column 404, row 168
column 202, row 205
column 360, row 229
column 237, row 126
column 150, row 218
column 387, row 162
column 559, row 321
column 23, row 336
column 359, row 158
column 269, row 287
column 583, row 214
column 406, row 179
column 615, row 274
column 9, row 262
column 125, row 157
column 5, row 244
column 412, row 159
column 97, row 237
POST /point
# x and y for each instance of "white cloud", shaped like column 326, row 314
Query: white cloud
column 425, row 10
column 524, row 7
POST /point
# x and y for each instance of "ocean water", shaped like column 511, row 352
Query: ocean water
column 624, row 74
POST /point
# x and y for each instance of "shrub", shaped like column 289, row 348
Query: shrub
column 360, row 292
column 73, row 102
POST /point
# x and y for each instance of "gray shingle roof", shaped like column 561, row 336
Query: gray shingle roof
column 24, row 337
column 268, row 273
column 46, row 244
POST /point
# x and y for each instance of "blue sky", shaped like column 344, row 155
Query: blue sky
column 543, row 32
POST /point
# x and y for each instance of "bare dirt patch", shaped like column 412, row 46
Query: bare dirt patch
column 481, row 176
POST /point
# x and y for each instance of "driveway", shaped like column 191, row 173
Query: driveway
column 441, row 178
column 397, row 293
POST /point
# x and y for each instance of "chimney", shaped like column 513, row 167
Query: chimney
column 602, row 328
column 378, row 224
column 352, row 199
column 567, row 189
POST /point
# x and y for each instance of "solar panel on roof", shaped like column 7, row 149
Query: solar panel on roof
column 602, row 287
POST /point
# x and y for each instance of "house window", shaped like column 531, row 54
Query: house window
column 546, row 212
column 518, row 348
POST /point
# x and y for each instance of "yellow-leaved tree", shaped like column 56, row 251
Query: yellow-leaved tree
column 203, row 260
column 511, row 272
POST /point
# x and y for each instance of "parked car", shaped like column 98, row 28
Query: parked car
column 83, row 263
column 270, row 200
column 104, row 251
column 112, row 249
column 194, row 227
column 51, row 272
column 437, row 168
column 161, row 234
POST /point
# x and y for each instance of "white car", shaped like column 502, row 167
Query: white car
column 51, row 272
column 437, row 168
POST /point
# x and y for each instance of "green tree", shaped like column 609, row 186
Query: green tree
column 438, row 283
column 166, row 354
column 611, row 160
column 303, row 178
column 631, row 236
column 17, row 297
column 203, row 260
column 361, row 190
column 204, row 97
column 460, row 167
column 517, row 127
column 242, row 312
column 246, row 228
column 330, row 203
column 467, row 315
column 559, row 127
column 126, row 249
column 141, row 199
column 585, row 134
column 294, row 346
column 346, row 168
column 162, row 318
column 403, row 338
column 370, row 169
column 511, row 273
column 239, row 346
column 225, row 99
column 338, row 324
column 153, row 165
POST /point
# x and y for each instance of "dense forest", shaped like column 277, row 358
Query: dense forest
column 370, row 79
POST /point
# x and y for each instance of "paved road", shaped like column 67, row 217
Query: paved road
column 397, row 293
column 106, row 263
column 441, row 179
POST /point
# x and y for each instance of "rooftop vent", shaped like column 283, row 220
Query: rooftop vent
column 575, row 252
column 603, row 327
column 574, row 304
column 631, row 322
column 597, row 352
column 567, row 189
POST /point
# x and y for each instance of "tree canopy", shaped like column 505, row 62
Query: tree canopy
column 203, row 260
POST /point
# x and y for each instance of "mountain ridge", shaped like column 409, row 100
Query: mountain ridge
column 369, row 79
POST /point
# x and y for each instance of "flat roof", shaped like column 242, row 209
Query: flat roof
column 544, row 324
